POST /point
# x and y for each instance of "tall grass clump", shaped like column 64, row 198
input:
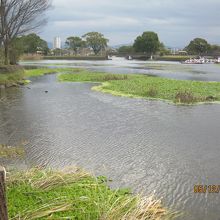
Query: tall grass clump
column 152, row 92
column 186, row 97
column 109, row 77
column 75, row 194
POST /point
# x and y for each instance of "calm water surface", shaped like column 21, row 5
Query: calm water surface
column 150, row 146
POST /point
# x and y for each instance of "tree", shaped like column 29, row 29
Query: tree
column 96, row 41
column 215, row 50
column 163, row 50
column 75, row 43
column 148, row 43
column 16, row 50
column 198, row 46
column 18, row 17
column 126, row 49
column 33, row 43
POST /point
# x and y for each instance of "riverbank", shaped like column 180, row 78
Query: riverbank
column 173, row 58
column 72, row 193
column 19, row 77
column 11, row 76
column 75, row 58
column 75, row 194
column 40, row 72
column 143, row 86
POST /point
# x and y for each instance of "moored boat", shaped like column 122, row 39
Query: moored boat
column 201, row 60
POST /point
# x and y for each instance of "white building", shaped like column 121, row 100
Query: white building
column 57, row 43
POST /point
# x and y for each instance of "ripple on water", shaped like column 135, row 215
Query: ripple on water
column 148, row 145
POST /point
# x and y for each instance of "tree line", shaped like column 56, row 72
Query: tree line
column 19, row 19
column 149, row 44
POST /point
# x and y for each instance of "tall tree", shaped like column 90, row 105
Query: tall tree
column 75, row 43
column 198, row 46
column 31, row 43
column 148, row 43
column 215, row 50
column 96, row 41
column 18, row 17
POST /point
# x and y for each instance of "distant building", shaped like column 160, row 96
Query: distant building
column 57, row 43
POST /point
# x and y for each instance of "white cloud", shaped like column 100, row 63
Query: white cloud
column 175, row 21
column 108, row 21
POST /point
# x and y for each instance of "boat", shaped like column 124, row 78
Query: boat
column 201, row 60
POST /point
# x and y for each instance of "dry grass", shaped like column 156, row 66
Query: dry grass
column 109, row 77
column 138, row 208
column 186, row 97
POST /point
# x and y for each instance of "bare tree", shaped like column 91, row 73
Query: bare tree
column 18, row 17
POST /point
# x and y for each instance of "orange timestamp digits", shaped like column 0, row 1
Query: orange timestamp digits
column 207, row 189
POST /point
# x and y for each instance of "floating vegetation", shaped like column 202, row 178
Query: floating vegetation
column 11, row 151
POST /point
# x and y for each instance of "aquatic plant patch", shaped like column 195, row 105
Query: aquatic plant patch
column 144, row 86
column 74, row 194
column 11, row 151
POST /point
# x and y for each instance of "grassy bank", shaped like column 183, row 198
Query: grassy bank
column 39, row 72
column 12, row 79
column 75, row 58
column 75, row 194
column 18, row 77
column 11, row 75
column 178, row 91
column 173, row 58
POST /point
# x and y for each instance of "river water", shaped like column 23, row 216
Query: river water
column 150, row 146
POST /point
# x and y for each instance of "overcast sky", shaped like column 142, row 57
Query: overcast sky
column 121, row 21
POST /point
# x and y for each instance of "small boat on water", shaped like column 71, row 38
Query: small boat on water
column 201, row 60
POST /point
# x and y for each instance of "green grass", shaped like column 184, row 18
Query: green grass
column 38, row 72
column 142, row 86
column 75, row 194
column 82, row 75
column 11, row 78
column 75, row 57
column 177, row 58
column 19, row 76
